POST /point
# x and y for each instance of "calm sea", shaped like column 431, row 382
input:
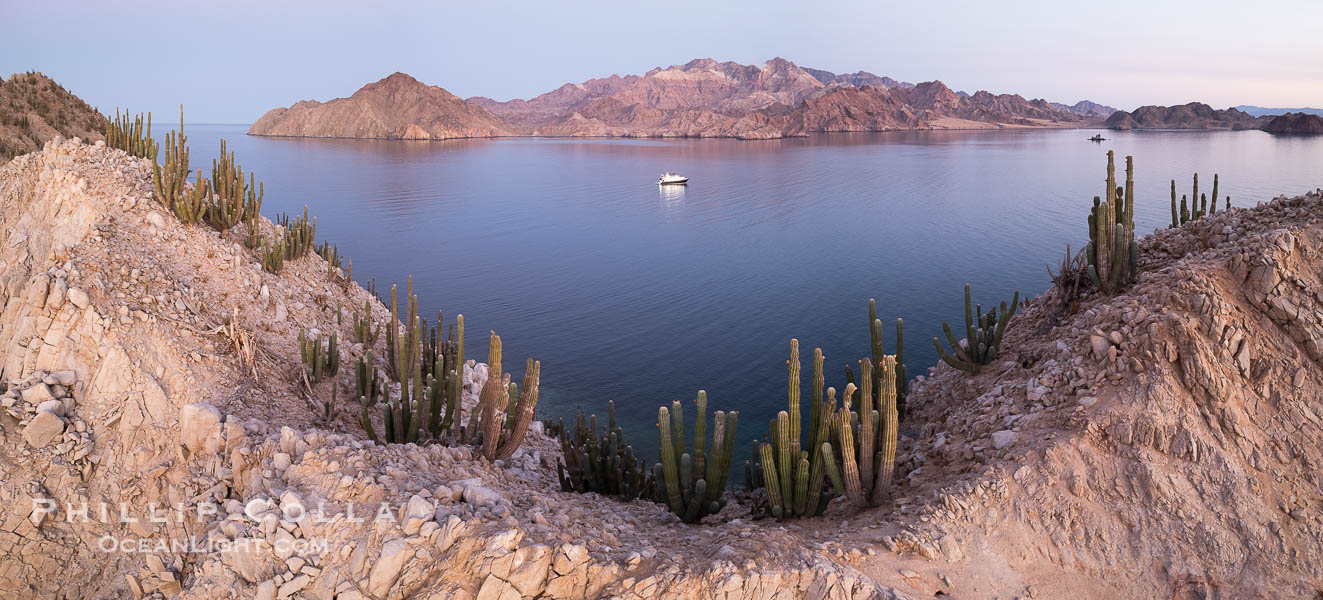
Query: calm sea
column 643, row 295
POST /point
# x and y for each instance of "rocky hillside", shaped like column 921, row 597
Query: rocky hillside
column 1161, row 443
column 1195, row 115
column 34, row 109
column 397, row 107
column 1295, row 123
column 702, row 98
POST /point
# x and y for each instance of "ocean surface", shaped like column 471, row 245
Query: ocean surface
column 642, row 294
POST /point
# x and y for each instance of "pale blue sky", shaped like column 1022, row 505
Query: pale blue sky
column 231, row 61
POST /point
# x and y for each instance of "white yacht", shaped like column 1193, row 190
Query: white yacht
column 672, row 179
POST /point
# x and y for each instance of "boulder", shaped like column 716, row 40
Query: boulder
column 200, row 427
column 43, row 429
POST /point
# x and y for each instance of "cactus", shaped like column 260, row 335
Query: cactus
column 695, row 483
column 133, row 137
column 499, row 423
column 331, row 254
column 1212, row 206
column 1112, row 250
column 983, row 335
column 1175, row 214
column 299, row 233
column 169, row 180
column 1228, row 204
column 319, row 363
column 191, row 207
column 364, row 332
column 602, row 463
column 793, row 477
column 867, row 462
column 273, row 254
column 877, row 351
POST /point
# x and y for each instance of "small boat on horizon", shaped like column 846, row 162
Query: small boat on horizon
column 672, row 179
column 1097, row 137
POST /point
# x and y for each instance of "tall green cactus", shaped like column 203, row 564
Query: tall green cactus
column 169, row 180
column 793, row 477
column 319, row 361
column 133, row 137
column 300, row 233
column 695, row 483
column 1113, row 252
column 877, row 351
column 860, row 459
column 983, row 334
column 1175, row 214
column 602, row 463
column 363, row 328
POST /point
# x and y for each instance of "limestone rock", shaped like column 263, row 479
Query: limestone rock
column 45, row 428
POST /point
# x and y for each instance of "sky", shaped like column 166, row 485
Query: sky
column 229, row 62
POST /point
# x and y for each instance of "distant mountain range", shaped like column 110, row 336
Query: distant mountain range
column 1259, row 111
column 1195, row 115
column 701, row 98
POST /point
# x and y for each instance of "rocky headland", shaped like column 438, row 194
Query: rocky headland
column 1295, row 123
column 397, row 107
column 701, row 98
column 1159, row 443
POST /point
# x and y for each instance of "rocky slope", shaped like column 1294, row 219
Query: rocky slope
column 1295, row 123
column 397, row 107
column 1157, row 444
column 1195, row 115
column 34, row 109
column 706, row 98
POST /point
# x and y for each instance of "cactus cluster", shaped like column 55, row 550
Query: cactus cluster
column 602, row 462
column 504, row 410
column 331, row 254
column 134, row 137
column 319, row 361
column 232, row 199
column 983, row 334
column 853, row 449
column 792, row 474
column 693, row 484
column 170, row 182
column 866, row 441
column 1113, row 253
column 876, row 352
column 364, row 331
column 1196, row 206
column 273, row 254
column 299, row 233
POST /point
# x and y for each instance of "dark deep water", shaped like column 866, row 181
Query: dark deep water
column 627, row 292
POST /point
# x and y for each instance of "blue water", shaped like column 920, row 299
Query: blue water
column 643, row 295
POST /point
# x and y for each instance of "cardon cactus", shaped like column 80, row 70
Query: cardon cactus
column 169, row 180
column 602, row 462
column 229, row 192
column 792, row 474
column 865, row 442
column 1113, row 252
column 504, row 411
column 695, row 482
column 877, row 351
column 319, row 362
column 299, row 233
column 363, row 329
column 983, row 335
column 369, row 385
column 134, row 137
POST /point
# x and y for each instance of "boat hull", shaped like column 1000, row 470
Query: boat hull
column 685, row 182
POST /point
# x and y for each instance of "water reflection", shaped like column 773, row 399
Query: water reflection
column 672, row 200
